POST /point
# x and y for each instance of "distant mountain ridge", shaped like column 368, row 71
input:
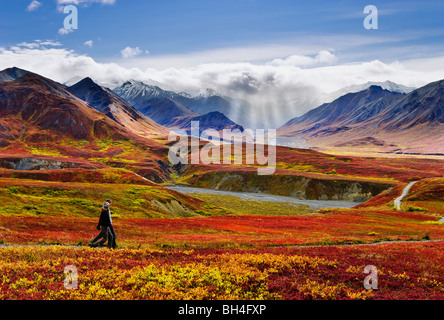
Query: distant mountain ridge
column 150, row 106
column 243, row 112
column 212, row 120
column 386, row 85
column 348, row 109
column 152, row 101
column 424, row 106
column 412, row 122
column 176, row 110
column 35, row 109
column 106, row 101
column 211, row 101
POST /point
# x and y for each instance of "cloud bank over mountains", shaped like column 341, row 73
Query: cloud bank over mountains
column 279, row 88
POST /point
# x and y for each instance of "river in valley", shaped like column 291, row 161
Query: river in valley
column 314, row 204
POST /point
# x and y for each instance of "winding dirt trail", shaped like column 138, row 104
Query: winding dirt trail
column 406, row 190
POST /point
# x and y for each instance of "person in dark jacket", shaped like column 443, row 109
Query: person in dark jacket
column 111, row 227
column 105, row 230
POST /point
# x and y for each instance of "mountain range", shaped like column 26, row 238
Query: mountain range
column 153, row 102
column 35, row 108
column 169, row 107
column 107, row 102
column 150, row 107
column 376, row 118
column 387, row 85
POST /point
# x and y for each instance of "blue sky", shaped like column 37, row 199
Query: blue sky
column 181, row 26
column 282, row 56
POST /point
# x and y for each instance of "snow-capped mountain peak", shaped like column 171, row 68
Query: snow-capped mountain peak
column 206, row 93
column 386, row 85
column 137, row 88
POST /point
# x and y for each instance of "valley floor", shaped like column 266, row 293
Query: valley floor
column 331, row 226
column 307, row 255
column 216, row 246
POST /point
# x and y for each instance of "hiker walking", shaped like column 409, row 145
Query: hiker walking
column 108, row 203
column 104, row 225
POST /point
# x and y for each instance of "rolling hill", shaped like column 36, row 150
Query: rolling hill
column 214, row 120
column 34, row 108
column 41, row 121
column 54, row 144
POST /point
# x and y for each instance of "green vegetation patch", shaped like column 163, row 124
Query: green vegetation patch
column 238, row 205
column 86, row 199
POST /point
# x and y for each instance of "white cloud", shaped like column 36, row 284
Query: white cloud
column 89, row 43
column 85, row 3
column 39, row 44
column 34, row 5
column 30, row 45
column 279, row 89
column 64, row 31
column 77, row 2
column 129, row 52
column 321, row 59
column 297, row 45
column 51, row 43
